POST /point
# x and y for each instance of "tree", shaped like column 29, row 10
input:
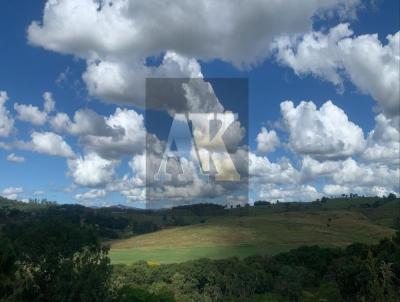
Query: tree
column 324, row 199
column 391, row 197
column 59, row 261
column 130, row 294
column 7, row 268
column 396, row 223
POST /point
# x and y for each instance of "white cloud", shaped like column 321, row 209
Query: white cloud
column 49, row 143
column 267, row 141
column 30, row 114
column 6, row 121
column 372, row 67
column 91, row 170
column 91, row 194
column 12, row 192
column 134, row 194
column 60, row 122
column 85, row 122
column 115, row 38
column 337, row 190
column 262, row 171
column 383, row 143
column 289, row 193
column 121, row 133
column 130, row 139
column 15, row 158
column 88, row 28
column 123, row 82
column 5, row 146
column 321, row 133
column 49, row 104
column 312, row 169
column 357, row 174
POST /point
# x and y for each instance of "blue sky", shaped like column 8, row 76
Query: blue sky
column 49, row 58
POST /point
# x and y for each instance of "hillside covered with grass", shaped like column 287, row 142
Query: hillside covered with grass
column 263, row 233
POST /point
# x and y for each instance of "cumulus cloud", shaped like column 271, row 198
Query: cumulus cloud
column 49, row 103
column 93, row 194
column 263, row 171
column 374, row 68
column 49, row 143
column 383, row 142
column 187, row 184
column 116, row 37
column 6, row 121
column 91, row 170
column 338, row 190
column 289, row 193
column 15, row 158
column 12, row 192
column 86, row 27
column 321, row 133
column 312, row 169
column 355, row 174
column 130, row 138
column 121, row 133
column 123, row 82
column 30, row 114
column 85, row 122
column 267, row 141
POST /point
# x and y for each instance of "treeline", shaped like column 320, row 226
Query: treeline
column 109, row 222
column 121, row 222
column 357, row 273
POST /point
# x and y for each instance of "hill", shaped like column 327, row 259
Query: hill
column 207, row 230
column 253, row 231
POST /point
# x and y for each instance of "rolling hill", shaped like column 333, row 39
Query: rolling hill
column 259, row 231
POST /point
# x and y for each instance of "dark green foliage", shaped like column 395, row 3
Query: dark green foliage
column 324, row 199
column 261, row 203
column 396, row 223
column 135, row 294
column 8, row 268
column 51, row 259
column 391, row 197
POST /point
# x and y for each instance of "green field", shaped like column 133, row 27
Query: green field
column 258, row 232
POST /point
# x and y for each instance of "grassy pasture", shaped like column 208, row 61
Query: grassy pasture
column 259, row 232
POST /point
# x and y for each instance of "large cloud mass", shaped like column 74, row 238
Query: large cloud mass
column 116, row 37
column 235, row 31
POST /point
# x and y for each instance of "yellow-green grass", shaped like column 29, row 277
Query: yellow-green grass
column 228, row 236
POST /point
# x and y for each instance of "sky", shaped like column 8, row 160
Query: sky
column 323, row 95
